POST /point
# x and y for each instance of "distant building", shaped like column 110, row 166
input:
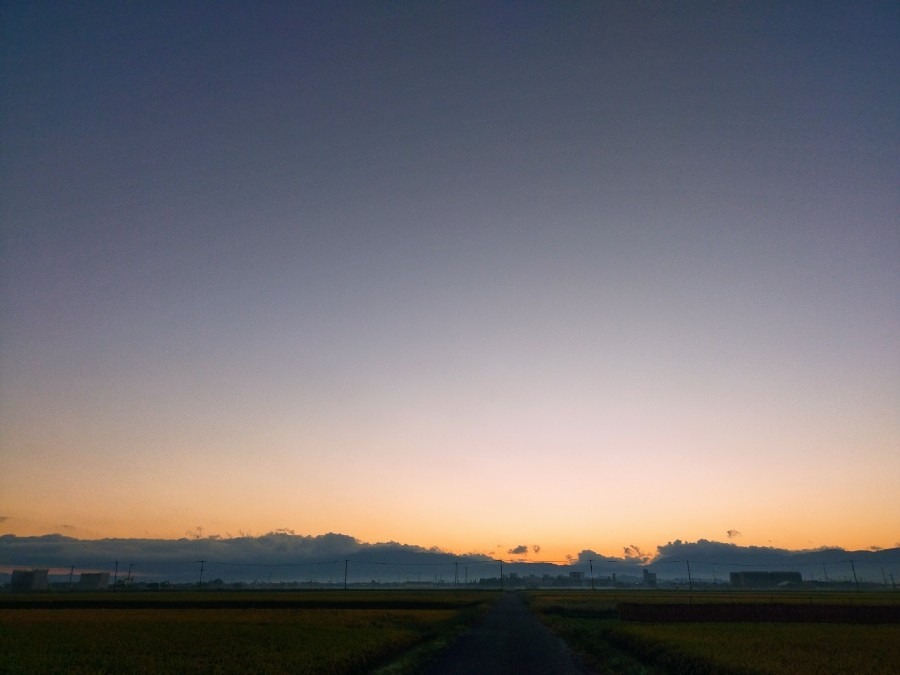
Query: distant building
column 764, row 579
column 649, row 578
column 93, row 581
column 28, row 580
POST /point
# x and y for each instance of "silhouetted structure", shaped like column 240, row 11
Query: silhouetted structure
column 93, row 581
column 649, row 578
column 764, row 579
column 28, row 580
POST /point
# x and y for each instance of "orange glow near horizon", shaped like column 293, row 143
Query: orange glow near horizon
column 557, row 540
column 512, row 489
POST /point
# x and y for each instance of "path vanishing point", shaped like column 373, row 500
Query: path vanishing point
column 508, row 639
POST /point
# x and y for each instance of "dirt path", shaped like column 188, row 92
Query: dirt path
column 508, row 639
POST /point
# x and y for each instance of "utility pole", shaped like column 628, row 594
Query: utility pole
column 592, row 573
column 346, row 563
column 501, row 575
column 116, row 574
column 456, row 573
column 855, row 580
column 71, row 572
column 128, row 580
column 690, row 580
column 200, row 583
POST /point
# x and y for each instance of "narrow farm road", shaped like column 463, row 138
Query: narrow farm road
column 508, row 639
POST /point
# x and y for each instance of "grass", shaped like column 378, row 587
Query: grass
column 583, row 621
column 772, row 648
column 588, row 622
column 317, row 633
column 611, row 598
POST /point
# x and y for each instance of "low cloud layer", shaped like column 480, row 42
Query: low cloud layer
column 274, row 555
column 283, row 555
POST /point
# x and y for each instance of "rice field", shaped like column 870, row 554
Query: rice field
column 317, row 633
column 591, row 625
column 394, row 632
column 776, row 648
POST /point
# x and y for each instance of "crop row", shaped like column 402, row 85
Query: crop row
column 216, row 639
column 592, row 626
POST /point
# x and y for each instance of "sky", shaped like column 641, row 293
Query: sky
column 471, row 275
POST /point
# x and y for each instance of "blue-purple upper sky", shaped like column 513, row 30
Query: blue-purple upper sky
column 258, row 258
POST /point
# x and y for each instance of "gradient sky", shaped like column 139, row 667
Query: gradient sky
column 468, row 275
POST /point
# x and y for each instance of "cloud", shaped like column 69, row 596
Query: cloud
column 536, row 548
column 635, row 554
column 712, row 559
column 196, row 533
column 588, row 556
column 273, row 556
column 703, row 549
column 604, row 566
column 733, row 533
column 585, row 556
column 281, row 556
column 717, row 552
column 3, row 519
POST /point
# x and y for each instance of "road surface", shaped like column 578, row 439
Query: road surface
column 508, row 639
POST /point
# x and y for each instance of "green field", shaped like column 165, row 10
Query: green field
column 589, row 622
column 323, row 632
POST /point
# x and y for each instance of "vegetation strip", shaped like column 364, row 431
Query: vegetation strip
column 792, row 613
column 232, row 604
column 773, row 648
column 321, row 635
column 590, row 624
